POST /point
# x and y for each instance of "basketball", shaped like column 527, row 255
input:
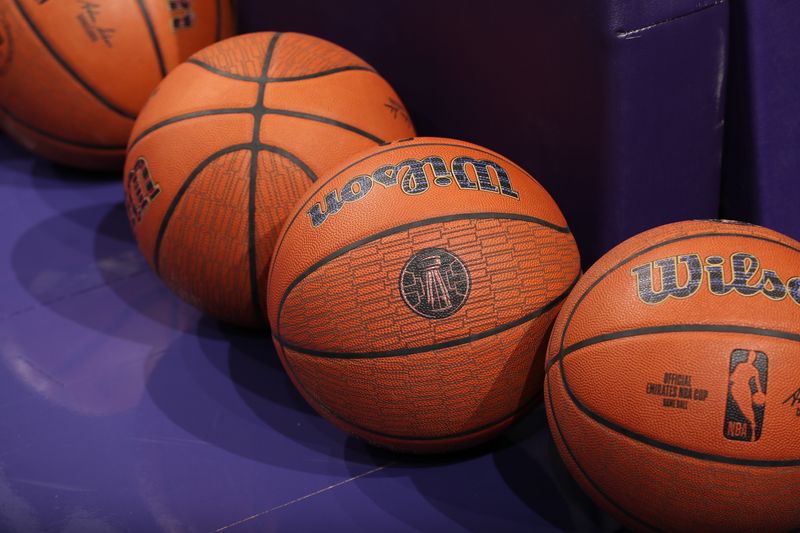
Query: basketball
column 74, row 75
column 673, row 379
column 415, row 317
column 229, row 142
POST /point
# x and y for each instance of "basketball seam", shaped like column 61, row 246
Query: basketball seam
column 549, row 306
column 675, row 328
column 324, row 120
column 682, row 328
column 282, row 79
column 153, row 37
column 197, row 170
column 257, row 111
column 187, row 116
column 651, row 248
column 397, row 229
column 586, row 476
column 310, row 194
column 219, row 72
column 623, row 431
column 420, row 438
column 291, row 157
column 60, row 60
column 677, row 450
column 258, row 114
column 288, row 112
column 179, row 196
column 57, row 138
column 322, row 73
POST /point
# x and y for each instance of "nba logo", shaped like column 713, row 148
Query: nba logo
column 747, row 395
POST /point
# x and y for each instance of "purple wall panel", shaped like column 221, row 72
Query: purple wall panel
column 616, row 107
column 762, row 159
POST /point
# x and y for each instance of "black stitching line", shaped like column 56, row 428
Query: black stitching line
column 57, row 138
column 186, row 116
column 552, row 304
column 324, row 120
column 100, row 98
column 310, row 195
column 153, row 37
column 258, row 110
column 179, row 195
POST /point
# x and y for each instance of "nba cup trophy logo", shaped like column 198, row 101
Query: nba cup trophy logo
column 140, row 191
column 182, row 14
column 747, row 392
column 434, row 283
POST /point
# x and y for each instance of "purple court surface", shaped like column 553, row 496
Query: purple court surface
column 124, row 409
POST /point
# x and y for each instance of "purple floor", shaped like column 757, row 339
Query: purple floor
column 124, row 409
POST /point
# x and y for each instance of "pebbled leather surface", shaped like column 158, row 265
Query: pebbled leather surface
column 644, row 397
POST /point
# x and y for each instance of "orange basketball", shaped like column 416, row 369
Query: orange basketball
column 410, row 293
column 226, row 146
column 673, row 379
column 74, row 75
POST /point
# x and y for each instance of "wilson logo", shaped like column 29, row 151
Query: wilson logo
column 415, row 176
column 140, row 191
column 682, row 276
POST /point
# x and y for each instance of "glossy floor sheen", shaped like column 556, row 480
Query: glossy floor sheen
column 124, row 409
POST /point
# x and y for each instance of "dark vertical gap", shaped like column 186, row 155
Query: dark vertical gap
column 739, row 188
column 219, row 20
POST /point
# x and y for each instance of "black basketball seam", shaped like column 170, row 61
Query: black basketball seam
column 403, row 227
column 311, row 194
column 251, row 238
column 677, row 450
column 291, row 157
column 654, row 247
column 179, row 196
column 283, row 79
column 552, row 304
column 255, row 146
column 153, row 37
column 586, row 476
column 620, row 429
column 223, row 73
column 324, row 120
column 60, row 60
column 321, row 73
column 675, row 328
column 56, row 138
column 678, row 328
column 199, row 168
column 186, row 116
column 258, row 110
column 422, row 438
